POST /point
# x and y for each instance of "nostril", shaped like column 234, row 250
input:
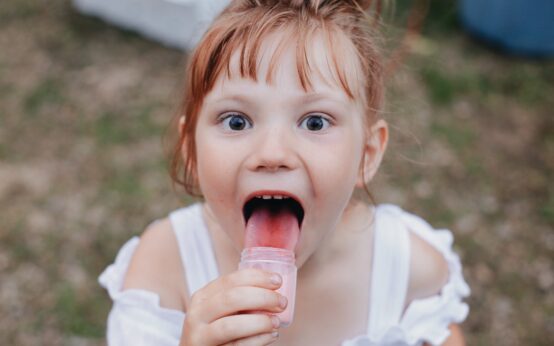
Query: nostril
column 272, row 154
column 273, row 168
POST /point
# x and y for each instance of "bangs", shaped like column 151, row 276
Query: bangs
column 241, row 46
column 251, row 39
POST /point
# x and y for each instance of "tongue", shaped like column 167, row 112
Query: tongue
column 272, row 228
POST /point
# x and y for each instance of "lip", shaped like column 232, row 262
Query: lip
column 274, row 192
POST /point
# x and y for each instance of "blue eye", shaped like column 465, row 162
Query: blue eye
column 235, row 122
column 315, row 123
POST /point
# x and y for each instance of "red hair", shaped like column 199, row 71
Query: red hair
column 243, row 26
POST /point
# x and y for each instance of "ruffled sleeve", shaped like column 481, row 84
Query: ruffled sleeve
column 429, row 318
column 136, row 317
column 426, row 320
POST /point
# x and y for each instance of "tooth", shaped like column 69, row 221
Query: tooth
column 286, row 197
column 266, row 197
column 278, row 197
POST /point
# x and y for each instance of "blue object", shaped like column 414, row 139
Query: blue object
column 523, row 27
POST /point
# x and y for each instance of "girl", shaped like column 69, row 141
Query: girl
column 282, row 110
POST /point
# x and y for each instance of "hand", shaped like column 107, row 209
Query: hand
column 216, row 314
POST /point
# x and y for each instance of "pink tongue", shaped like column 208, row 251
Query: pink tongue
column 272, row 229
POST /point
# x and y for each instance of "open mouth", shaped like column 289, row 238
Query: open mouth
column 274, row 206
column 272, row 221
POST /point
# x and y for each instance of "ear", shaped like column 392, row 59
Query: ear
column 374, row 148
column 181, row 125
column 182, row 119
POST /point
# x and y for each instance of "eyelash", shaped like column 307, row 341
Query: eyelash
column 222, row 120
column 324, row 118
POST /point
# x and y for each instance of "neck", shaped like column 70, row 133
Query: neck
column 226, row 255
column 351, row 233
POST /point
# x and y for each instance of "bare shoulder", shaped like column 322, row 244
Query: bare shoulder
column 428, row 269
column 156, row 266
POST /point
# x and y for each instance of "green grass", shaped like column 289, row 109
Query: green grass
column 442, row 89
column 441, row 18
column 3, row 151
column 78, row 313
column 512, row 284
column 47, row 92
column 125, row 126
column 547, row 210
column 445, row 87
column 458, row 137
column 462, row 138
column 109, row 130
column 92, row 28
column 125, row 184
column 473, row 250
column 6, row 89
column 528, row 84
column 18, row 249
column 17, row 10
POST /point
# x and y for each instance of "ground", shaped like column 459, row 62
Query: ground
column 84, row 108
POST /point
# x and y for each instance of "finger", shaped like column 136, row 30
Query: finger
column 241, row 326
column 239, row 299
column 243, row 277
column 257, row 340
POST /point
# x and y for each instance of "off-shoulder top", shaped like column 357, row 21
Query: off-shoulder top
column 136, row 317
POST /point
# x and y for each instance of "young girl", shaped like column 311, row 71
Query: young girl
column 282, row 110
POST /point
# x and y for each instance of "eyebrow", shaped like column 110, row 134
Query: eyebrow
column 301, row 99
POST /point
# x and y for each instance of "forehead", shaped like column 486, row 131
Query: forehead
column 320, row 62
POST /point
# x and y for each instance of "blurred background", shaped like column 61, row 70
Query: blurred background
column 84, row 107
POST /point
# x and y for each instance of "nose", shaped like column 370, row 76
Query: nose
column 273, row 151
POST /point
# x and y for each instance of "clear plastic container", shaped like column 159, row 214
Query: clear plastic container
column 278, row 261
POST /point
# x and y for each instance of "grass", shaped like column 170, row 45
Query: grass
column 455, row 134
column 108, row 129
column 526, row 85
column 523, row 83
column 441, row 16
column 445, row 87
column 123, row 126
column 77, row 313
column 48, row 92
column 19, row 250
column 3, row 151
column 547, row 209
column 17, row 10
column 489, row 115
column 125, row 185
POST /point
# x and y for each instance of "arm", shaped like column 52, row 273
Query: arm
column 429, row 273
column 456, row 337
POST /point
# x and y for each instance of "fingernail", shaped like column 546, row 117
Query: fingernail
column 275, row 321
column 283, row 301
column 275, row 334
column 276, row 279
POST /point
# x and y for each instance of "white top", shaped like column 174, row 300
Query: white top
column 138, row 319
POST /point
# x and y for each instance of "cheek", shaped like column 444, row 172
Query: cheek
column 214, row 172
column 336, row 166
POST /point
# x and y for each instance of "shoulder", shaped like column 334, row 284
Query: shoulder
column 156, row 266
column 428, row 269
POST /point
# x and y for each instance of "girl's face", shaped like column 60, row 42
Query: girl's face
column 259, row 138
